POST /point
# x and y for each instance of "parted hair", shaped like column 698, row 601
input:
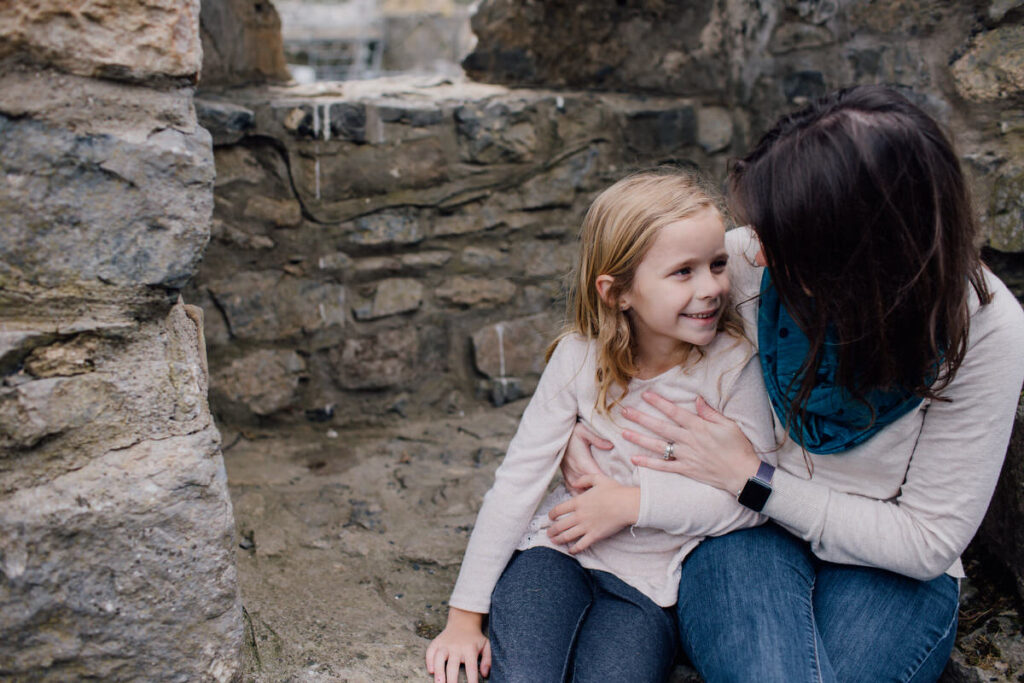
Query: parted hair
column 867, row 226
column 616, row 234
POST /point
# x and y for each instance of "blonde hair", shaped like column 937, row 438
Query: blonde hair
column 619, row 228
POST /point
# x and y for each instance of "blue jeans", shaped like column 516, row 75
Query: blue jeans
column 552, row 620
column 757, row 605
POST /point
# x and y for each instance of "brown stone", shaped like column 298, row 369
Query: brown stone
column 393, row 296
column 545, row 258
column 384, row 360
column 476, row 291
column 993, row 66
column 241, row 42
column 282, row 213
column 514, row 348
column 264, row 381
column 121, row 39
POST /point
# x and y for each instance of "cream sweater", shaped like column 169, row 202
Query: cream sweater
column 513, row 515
column 910, row 498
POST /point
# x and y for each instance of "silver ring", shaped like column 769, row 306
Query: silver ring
column 670, row 449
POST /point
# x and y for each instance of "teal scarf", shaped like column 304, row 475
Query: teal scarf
column 833, row 422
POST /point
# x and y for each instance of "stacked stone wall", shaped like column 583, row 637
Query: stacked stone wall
column 401, row 247
column 116, row 533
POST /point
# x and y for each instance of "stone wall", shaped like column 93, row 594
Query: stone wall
column 392, row 247
column 116, row 548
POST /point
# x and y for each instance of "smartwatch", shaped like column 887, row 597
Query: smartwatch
column 757, row 489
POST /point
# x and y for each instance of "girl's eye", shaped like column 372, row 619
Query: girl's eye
column 719, row 265
column 683, row 271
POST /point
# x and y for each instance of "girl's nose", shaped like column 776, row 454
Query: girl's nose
column 710, row 286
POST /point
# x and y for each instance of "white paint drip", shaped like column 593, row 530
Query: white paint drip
column 500, row 331
column 327, row 122
column 316, row 175
column 316, row 121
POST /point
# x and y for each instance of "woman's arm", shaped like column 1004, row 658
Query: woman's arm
column 948, row 484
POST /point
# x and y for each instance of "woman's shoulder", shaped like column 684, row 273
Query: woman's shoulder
column 1001, row 316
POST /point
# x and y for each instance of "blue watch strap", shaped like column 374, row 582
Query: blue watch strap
column 765, row 472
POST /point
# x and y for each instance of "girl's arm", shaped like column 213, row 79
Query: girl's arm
column 462, row 642
column 949, row 481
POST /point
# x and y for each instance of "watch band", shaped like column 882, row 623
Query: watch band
column 758, row 488
column 765, row 472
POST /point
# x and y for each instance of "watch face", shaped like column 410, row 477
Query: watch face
column 755, row 494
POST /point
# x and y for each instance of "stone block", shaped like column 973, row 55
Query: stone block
column 237, row 164
column 337, row 262
column 426, row 259
column 483, row 258
column 660, row 131
column 392, row 296
column 227, row 122
column 387, row 359
column 393, row 226
column 476, row 291
column 281, row 213
column 346, row 171
column 544, row 258
column 495, row 132
column 241, row 41
column 120, row 39
column 792, row 36
column 88, row 208
column 514, row 348
column 714, row 129
column 268, row 305
column 992, row 68
column 1006, row 212
column 264, row 381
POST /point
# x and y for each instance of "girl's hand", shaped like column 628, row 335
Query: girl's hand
column 709, row 447
column 461, row 642
column 578, row 460
column 604, row 509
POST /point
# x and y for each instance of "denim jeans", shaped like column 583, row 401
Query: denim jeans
column 552, row 620
column 757, row 605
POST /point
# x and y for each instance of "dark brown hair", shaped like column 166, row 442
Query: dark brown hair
column 867, row 226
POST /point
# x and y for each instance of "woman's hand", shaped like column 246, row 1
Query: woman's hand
column 605, row 508
column 708, row 447
column 461, row 642
column 578, row 460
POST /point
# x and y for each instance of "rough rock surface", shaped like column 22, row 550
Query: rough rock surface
column 1002, row 532
column 122, row 39
column 350, row 545
column 241, row 42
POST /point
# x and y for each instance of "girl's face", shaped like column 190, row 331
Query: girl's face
column 681, row 287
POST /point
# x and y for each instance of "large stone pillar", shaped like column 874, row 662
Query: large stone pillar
column 116, row 548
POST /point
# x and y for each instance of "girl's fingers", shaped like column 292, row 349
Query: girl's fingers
column 580, row 545
column 682, row 417
column 562, row 509
column 567, row 536
column 485, row 659
column 453, row 669
column 470, row 657
column 440, row 655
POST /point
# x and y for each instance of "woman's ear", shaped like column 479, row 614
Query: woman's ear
column 604, row 288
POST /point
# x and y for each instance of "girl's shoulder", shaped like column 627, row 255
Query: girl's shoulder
column 573, row 350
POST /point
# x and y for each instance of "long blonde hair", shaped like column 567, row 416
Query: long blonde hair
column 619, row 228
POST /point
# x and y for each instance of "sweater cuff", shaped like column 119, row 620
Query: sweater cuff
column 798, row 505
column 470, row 603
column 654, row 490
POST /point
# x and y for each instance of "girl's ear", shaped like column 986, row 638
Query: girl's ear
column 604, row 287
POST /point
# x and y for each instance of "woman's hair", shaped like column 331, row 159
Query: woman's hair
column 868, row 230
column 619, row 228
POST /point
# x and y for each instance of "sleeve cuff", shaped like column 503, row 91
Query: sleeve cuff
column 798, row 505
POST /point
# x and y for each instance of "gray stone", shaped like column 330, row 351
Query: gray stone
column 229, row 234
column 544, row 258
column 387, row 359
column 122, row 39
column 426, row 259
column 1006, row 212
column 660, row 131
column 483, row 258
column 393, row 296
column 992, row 68
column 476, row 291
column 336, row 262
column 514, row 348
column 88, row 208
column 237, row 164
column 400, row 226
column 1001, row 531
column 495, row 132
column 268, row 306
column 264, row 381
column 227, row 122
column 714, row 129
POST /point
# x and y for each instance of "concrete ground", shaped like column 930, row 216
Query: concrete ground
column 350, row 543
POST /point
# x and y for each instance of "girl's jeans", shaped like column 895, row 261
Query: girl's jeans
column 757, row 605
column 552, row 620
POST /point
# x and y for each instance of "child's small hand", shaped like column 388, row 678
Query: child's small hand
column 578, row 460
column 605, row 508
column 461, row 642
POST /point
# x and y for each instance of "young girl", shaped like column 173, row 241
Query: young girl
column 650, row 297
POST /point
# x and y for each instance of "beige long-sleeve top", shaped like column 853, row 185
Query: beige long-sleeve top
column 513, row 515
column 910, row 498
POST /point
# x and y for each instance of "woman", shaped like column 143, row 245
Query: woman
column 893, row 362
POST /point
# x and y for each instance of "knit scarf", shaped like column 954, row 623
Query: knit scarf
column 833, row 421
